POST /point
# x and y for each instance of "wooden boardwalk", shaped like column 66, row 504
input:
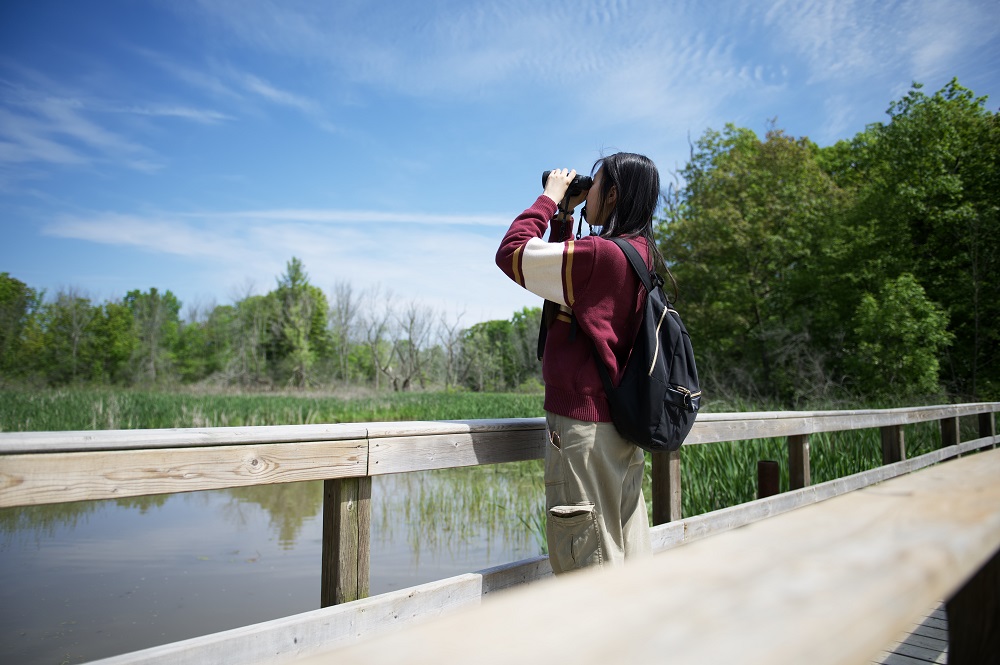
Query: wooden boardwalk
column 823, row 574
column 926, row 642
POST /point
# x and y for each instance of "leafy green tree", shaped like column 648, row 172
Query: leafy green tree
column 203, row 347
column 155, row 316
column 524, row 366
column 485, row 346
column 116, row 342
column 926, row 201
column 745, row 237
column 299, row 331
column 18, row 305
column 898, row 335
column 69, row 337
column 928, row 205
column 502, row 355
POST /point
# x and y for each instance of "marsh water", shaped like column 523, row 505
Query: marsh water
column 88, row 580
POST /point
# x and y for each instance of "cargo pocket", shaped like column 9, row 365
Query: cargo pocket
column 574, row 540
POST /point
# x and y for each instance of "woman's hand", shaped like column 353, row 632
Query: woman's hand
column 558, row 183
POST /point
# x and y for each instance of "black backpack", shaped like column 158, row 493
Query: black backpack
column 658, row 399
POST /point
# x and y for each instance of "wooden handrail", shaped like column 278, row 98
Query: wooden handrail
column 832, row 583
column 52, row 467
column 344, row 624
column 47, row 467
column 709, row 428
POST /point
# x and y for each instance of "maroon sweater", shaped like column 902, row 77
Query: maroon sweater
column 591, row 279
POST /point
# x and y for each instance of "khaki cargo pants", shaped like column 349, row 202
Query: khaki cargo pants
column 593, row 496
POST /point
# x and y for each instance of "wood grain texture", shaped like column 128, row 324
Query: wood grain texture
column 34, row 479
column 190, row 437
column 346, row 554
column 875, row 557
column 440, row 451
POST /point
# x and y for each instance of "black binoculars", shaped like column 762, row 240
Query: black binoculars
column 580, row 184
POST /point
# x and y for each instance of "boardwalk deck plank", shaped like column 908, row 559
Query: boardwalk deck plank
column 916, row 647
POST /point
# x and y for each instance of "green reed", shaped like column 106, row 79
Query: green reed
column 89, row 409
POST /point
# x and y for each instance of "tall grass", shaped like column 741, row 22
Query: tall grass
column 89, row 409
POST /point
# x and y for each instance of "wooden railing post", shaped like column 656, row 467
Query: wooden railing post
column 666, row 483
column 987, row 426
column 768, row 479
column 974, row 617
column 893, row 444
column 346, row 540
column 950, row 435
column 798, row 462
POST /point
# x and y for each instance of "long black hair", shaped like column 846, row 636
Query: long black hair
column 637, row 182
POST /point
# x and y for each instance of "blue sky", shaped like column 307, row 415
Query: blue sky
column 198, row 145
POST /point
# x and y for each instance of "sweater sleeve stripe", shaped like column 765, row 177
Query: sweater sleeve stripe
column 518, row 274
column 542, row 269
column 568, row 277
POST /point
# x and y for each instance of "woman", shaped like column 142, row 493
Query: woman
column 593, row 477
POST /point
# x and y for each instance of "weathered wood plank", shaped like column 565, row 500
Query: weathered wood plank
column 950, row 432
column 511, row 575
column 884, row 552
column 666, row 487
column 346, row 556
column 893, row 444
column 191, row 437
column 439, row 451
column 799, row 473
column 713, row 428
column 32, row 479
column 987, row 425
column 710, row 427
column 420, row 428
column 286, row 639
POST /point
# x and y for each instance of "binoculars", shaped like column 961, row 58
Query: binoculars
column 580, row 184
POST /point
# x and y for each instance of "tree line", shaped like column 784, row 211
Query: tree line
column 866, row 269
column 294, row 336
column 871, row 266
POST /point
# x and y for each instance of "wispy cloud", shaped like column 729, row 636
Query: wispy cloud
column 674, row 65
column 430, row 266
column 273, row 94
column 234, row 86
column 357, row 217
column 48, row 122
column 204, row 116
column 35, row 127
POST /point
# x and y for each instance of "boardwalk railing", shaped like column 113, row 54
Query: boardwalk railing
column 50, row 467
column 830, row 584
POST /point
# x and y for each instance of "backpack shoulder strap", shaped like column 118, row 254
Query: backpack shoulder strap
column 638, row 264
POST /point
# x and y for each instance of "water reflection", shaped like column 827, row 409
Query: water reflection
column 86, row 580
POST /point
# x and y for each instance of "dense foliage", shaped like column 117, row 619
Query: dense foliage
column 291, row 337
column 866, row 269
